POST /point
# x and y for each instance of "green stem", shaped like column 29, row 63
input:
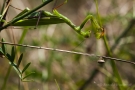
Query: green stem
column 24, row 15
column 113, row 65
column 107, row 46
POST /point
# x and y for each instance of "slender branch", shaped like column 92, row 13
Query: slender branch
column 67, row 51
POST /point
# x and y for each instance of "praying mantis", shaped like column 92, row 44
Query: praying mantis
column 31, row 18
column 47, row 18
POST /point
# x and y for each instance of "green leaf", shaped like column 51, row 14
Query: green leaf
column 24, row 69
column 28, row 75
column 13, row 54
column 20, row 59
column 9, row 57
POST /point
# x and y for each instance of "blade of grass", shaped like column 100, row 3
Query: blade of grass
column 13, row 54
column 113, row 65
column 19, row 60
column 28, row 75
column 25, row 68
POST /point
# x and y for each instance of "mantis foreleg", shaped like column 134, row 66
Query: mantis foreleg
column 98, row 32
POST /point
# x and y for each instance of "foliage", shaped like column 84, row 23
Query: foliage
column 67, row 69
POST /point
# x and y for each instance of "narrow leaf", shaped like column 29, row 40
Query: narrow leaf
column 24, row 69
column 20, row 59
column 28, row 75
column 13, row 54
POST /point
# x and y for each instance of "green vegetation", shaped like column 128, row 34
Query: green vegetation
column 76, row 68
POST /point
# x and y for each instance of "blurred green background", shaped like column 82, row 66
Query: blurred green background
column 69, row 70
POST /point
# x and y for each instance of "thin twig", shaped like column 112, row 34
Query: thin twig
column 67, row 51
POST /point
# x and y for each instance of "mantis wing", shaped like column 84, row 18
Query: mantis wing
column 43, row 21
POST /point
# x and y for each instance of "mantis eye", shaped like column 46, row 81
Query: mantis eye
column 100, row 34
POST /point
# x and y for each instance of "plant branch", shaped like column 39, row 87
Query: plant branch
column 67, row 51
